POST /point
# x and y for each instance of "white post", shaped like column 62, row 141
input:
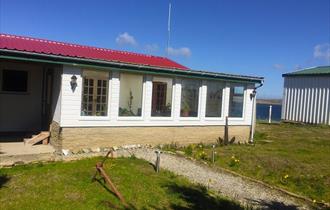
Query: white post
column 270, row 114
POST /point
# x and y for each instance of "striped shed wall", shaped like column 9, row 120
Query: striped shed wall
column 306, row 98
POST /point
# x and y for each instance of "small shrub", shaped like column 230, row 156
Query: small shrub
column 188, row 150
column 170, row 147
column 233, row 161
column 202, row 155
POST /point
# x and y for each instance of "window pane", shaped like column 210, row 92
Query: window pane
column 95, row 103
column 236, row 101
column 161, row 97
column 15, row 81
column 189, row 98
column 130, row 101
column 214, row 99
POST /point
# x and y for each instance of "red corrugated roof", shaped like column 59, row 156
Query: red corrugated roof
column 43, row 46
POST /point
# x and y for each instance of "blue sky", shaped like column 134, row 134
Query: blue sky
column 256, row 37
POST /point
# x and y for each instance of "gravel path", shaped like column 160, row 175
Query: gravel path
column 245, row 191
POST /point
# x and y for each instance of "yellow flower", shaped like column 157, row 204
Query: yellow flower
column 314, row 201
column 233, row 157
column 286, row 176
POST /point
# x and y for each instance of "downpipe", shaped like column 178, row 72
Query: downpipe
column 253, row 118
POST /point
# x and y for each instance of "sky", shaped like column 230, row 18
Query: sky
column 257, row 37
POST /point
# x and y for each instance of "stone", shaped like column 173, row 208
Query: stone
column 86, row 150
column 65, row 152
column 97, row 149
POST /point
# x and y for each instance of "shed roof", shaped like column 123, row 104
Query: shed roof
column 314, row 71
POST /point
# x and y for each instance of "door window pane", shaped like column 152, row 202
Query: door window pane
column 214, row 99
column 236, row 101
column 95, row 93
column 131, row 92
column 161, row 97
column 189, row 98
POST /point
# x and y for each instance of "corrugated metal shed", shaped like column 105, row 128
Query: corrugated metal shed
column 306, row 96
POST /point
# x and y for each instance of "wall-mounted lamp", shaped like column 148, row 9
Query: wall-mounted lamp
column 253, row 94
column 73, row 82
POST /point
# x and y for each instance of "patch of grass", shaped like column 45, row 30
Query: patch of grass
column 294, row 157
column 68, row 185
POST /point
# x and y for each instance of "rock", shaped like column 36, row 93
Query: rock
column 86, row 150
column 115, row 148
column 76, row 151
column 96, row 149
column 65, row 152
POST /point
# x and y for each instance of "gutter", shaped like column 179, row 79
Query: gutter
column 105, row 65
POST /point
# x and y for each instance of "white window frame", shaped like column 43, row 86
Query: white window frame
column 244, row 101
column 109, row 96
column 222, row 103
column 134, row 118
column 159, row 118
column 198, row 117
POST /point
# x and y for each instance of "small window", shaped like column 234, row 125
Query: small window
column 189, row 98
column 95, row 93
column 236, row 101
column 214, row 99
column 161, row 97
column 131, row 93
column 14, row 81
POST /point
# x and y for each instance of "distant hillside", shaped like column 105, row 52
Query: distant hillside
column 269, row 101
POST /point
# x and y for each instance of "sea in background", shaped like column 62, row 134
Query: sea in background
column 263, row 112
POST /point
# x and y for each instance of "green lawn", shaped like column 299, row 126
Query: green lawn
column 68, row 186
column 292, row 157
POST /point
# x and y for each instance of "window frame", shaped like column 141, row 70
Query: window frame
column 197, row 118
column 171, row 117
column 233, row 85
column 28, row 82
column 133, row 118
column 108, row 95
column 223, row 98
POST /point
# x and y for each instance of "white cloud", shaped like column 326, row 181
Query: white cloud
column 279, row 66
column 183, row 51
column 322, row 51
column 126, row 39
column 152, row 47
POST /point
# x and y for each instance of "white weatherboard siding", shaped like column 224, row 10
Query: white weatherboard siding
column 306, row 99
column 71, row 102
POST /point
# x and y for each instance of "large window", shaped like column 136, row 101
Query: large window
column 95, row 93
column 236, row 101
column 161, row 97
column 14, row 81
column 214, row 99
column 130, row 101
column 189, row 98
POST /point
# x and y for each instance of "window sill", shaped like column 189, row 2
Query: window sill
column 213, row 118
column 121, row 118
column 189, row 119
column 161, row 118
column 236, row 118
column 94, row 118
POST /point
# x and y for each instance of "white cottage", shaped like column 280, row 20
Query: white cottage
column 96, row 97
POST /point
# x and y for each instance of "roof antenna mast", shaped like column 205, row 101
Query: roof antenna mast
column 168, row 28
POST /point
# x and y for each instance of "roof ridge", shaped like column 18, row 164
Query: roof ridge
column 82, row 46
